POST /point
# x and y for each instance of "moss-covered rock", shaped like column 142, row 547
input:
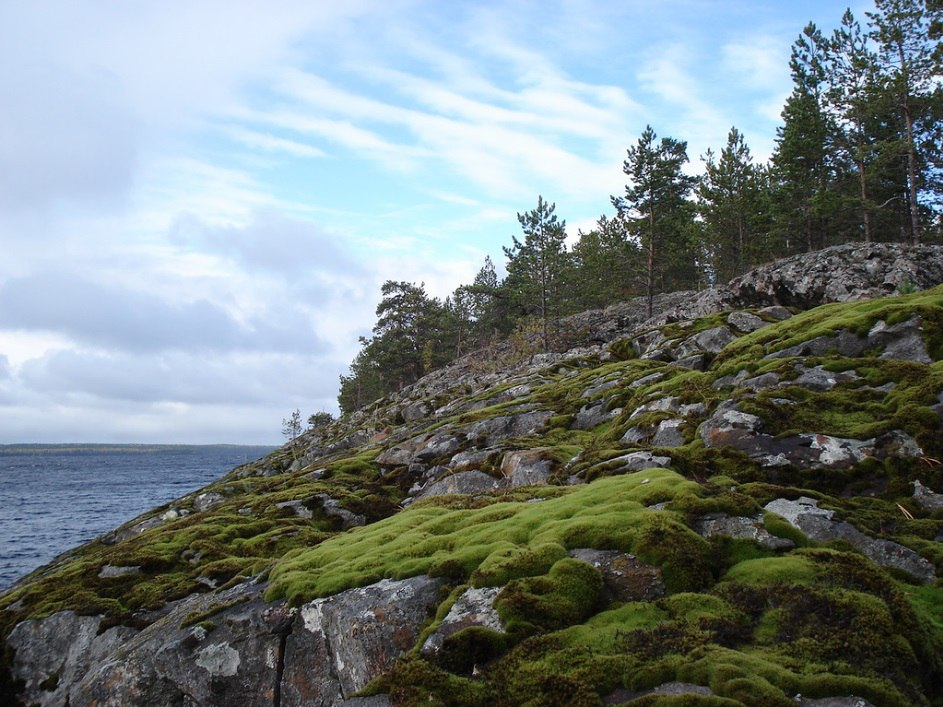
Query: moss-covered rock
column 752, row 610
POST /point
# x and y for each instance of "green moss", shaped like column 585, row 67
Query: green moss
column 413, row 681
column 568, row 594
column 682, row 554
column 513, row 561
column 792, row 568
column 455, row 542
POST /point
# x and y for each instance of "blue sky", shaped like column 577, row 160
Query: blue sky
column 199, row 200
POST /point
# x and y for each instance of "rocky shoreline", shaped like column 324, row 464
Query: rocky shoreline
column 736, row 500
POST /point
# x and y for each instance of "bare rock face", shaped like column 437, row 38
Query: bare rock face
column 740, row 527
column 249, row 652
column 55, row 652
column 624, row 577
column 474, row 608
column 818, row 524
column 340, row 643
column 840, row 274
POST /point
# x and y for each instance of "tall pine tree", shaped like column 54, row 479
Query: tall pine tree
column 657, row 212
column 731, row 205
column 909, row 62
column 536, row 265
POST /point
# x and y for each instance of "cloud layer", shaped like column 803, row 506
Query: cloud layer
column 199, row 202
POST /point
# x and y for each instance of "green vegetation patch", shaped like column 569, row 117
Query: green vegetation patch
column 857, row 317
column 427, row 538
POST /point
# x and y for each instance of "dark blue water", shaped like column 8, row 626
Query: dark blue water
column 55, row 498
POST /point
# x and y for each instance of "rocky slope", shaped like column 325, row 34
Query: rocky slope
column 734, row 502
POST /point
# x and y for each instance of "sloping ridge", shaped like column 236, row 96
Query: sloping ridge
column 732, row 502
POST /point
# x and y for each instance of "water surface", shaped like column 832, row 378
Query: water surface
column 53, row 498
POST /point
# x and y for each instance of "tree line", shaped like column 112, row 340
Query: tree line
column 858, row 157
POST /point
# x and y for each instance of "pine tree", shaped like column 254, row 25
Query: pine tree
column 656, row 210
column 536, row 265
column 852, row 102
column 730, row 202
column 604, row 264
column 909, row 62
column 804, row 171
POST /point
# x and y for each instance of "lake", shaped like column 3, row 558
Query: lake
column 55, row 497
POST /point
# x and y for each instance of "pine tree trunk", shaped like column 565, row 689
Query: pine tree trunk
column 650, row 288
column 865, row 209
column 911, row 152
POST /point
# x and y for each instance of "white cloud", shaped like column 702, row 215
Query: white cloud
column 202, row 200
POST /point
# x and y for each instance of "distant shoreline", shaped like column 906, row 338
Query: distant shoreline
column 39, row 448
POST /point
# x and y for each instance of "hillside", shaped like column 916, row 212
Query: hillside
column 734, row 502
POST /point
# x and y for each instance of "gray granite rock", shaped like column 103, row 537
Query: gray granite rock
column 927, row 499
column 496, row 429
column 475, row 607
column 528, row 467
column 820, row 379
column 357, row 635
column 818, row 524
column 54, row 653
column 669, row 434
column 745, row 322
column 633, row 461
column 593, row 415
column 740, row 527
column 462, row 482
column 624, row 577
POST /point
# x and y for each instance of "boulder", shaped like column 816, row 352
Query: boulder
column 903, row 341
column 669, row 434
column 633, row 461
column 669, row 404
column 423, row 448
column 462, row 482
column 529, row 467
column 297, row 507
column 54, row 653
column 624, row 577
column 745, row 322
column 760, row 382
column 340, row 643
column 818, row 524
column 593, row 415
column 647, row 379
column 205, row 501
column 847, row 701
column 709, row 341
column 415, row 411
column 475, row 459
column 775, row 312
column 598, row 388
column 475, row 607
column 740, row 527
column 332, row 508
column 927, row 499
column 821, row 380
column 112, row 571
column 496, row 429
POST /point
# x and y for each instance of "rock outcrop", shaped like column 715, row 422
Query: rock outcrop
column 736, row 499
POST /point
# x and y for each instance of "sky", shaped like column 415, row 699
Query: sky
column 200, row 199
